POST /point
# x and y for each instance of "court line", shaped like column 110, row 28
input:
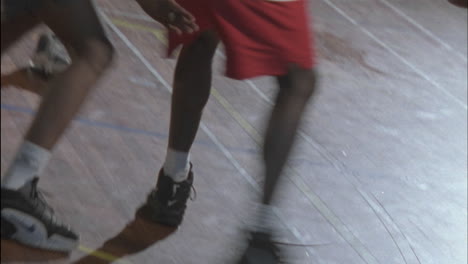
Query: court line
column 103, row 255
column 158, row 33
column 125, row 129
column 424, row 30
column 394, row 53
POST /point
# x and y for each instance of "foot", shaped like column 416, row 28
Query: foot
column 166, row 204
column 50, row 57
column 261, row 250
column 28, row 219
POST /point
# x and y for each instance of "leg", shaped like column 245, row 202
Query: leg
column 192, row 86
column 296, row 88
column 192, row 83
column 77, row 25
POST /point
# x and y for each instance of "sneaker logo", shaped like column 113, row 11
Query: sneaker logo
column 171, row 202
column 32, row 228
column 23, row 221
column 174, row 189
column 174, row 193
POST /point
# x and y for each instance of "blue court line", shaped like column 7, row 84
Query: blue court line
column 88, row 122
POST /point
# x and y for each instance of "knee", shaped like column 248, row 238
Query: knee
column 98, row 53
column 299, row 83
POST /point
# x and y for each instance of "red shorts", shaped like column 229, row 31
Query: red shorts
column 261, row 37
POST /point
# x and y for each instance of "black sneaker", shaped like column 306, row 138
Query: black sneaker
column 166, row 204
column 261, row 250
column 50, row 56
column 28, row 219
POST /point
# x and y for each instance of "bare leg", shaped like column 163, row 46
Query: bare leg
column 192, row 85
column 166, row 204
column 296, row 88
column 77, row 25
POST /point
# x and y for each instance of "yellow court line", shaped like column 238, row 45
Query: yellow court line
column 102, row 255
column 253, row 133
column 158, row 33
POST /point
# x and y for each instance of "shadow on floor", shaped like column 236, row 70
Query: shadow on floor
column 25, row 79
column 136, row 237
column 12, row 252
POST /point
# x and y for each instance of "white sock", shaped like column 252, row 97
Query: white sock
column 29, row 162
column 177, row 165
column 264, row 219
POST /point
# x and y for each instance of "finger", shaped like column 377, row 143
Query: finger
column 175, row 29
column 183, row 25
column 193, row 27
column 188, row 30
column 189, row 23
column 180, row 10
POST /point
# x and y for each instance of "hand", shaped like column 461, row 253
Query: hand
column 170, row 14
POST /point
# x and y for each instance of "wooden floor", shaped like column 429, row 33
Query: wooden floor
column 380, row 171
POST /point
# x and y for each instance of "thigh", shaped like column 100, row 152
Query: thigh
column 75, row 22
column 17, row 19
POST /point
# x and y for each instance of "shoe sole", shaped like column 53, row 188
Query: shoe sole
column 30, row 231
column 162, row 219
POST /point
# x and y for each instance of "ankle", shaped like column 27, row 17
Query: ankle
column 177, row 165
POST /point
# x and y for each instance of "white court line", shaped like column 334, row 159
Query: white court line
column 424, row 30
column 394, row 53
column 205, row 129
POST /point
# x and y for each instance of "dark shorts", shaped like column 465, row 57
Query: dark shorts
column 14, row 8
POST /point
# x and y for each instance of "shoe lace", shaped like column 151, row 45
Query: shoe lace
column 40, row 200
column 193, row 193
